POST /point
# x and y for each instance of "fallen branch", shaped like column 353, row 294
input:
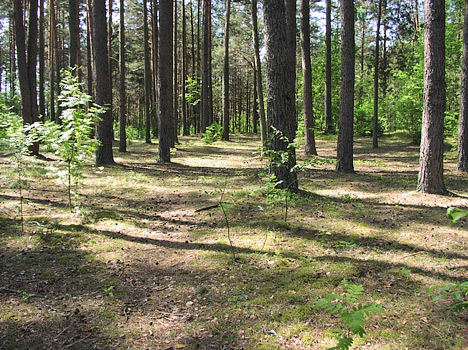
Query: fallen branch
column 207, row 208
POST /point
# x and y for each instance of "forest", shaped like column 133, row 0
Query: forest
column 205, row 174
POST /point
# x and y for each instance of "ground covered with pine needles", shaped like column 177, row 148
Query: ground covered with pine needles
column 149, row 260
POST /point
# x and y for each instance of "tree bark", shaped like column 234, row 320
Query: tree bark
column 280, row 88
column 226, row 74
column 431, row 169
column 42, row 108
column 462, row 164
column 258, row 67
column 165, row 78
column 175, row 94
column 185, row 130
column 205, row 94
column 123, row 88
column 328, row 71
column 27, row 59
column 147, row 74
column 104, row 153
column 375, row 129
column 345, row 134
column 309, row 122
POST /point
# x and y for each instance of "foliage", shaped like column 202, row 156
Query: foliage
column 16, row 137
column 458, row 292
column 214, row 132
column 351, row 312
column 72, row 140
column 456, row 214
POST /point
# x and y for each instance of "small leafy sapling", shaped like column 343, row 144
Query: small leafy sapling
column 457, row 292
column 18, row 138
column 213, row 133
column 350, row 311
column 72, row 140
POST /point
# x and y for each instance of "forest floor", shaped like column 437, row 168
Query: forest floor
column 138, row 266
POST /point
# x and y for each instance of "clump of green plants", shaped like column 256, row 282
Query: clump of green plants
column 17, row 138
column 351, row 313
column 72, row 140
column 457, row 292
column 213, row 133
column 456, row 214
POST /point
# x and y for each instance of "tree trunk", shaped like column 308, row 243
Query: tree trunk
column 111, row 62
column 328, row 71
column 165, row 78
column 375, row 129
column 463, row 121
column 258, row 67
column 307, row 84
column 255, row 103
column 185, row 130
column 73, row 24
column 345, row 134
column 104, row 153
column 42, row 109
column 27, row 58
column 89, row 48
column 431, row 165
column 226, row 74
column 175, row 94
column 147, row 74
column 280, row 88
column 122, row 89
column 205, row 94
column 155, row 35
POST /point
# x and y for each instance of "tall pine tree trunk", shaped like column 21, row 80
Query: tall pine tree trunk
column 463, row 121
column 307, row 80
column 280, row 91
column 345, row 135
column 42, row 108
column 226, row 74
column 165, row 79
column 147, row 73
column 431, row 162
column 27, row 59
column 328, row 71
column 375, row 129
column 185, row 129
column 104, row 153
column 259, row 81
column 122, row 87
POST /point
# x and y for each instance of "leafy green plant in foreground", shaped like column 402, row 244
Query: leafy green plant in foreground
column 72, row 141
column 18, row 138
column 456, row 214
column 458, row 292
column 350, row 311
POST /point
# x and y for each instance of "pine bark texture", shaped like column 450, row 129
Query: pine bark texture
column 205, row 95
column 328, row 71
column 307, row 80
column 463, row 121
column 165, row 79
column 345, row 134
column 259, row 78
column 27, row 59
column 122, row 88
column 226, row 74
column 104, row 153
column 431, row 165
column 375, row 127
column 147, row 74
column 280, row 93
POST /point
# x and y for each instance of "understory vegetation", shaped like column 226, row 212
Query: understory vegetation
column 146, row 260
